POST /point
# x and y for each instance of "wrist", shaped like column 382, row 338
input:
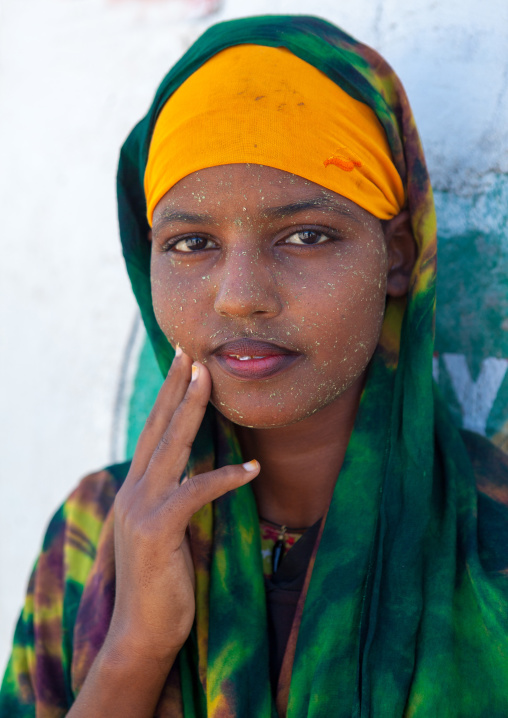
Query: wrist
column 122, row 683
column 124, row 659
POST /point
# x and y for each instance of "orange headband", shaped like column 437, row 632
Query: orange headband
column 265, row 106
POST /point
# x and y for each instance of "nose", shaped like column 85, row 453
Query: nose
column 246, row 287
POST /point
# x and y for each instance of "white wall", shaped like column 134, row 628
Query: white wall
column 74, row 78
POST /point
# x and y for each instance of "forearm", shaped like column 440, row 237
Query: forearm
column 121, row 686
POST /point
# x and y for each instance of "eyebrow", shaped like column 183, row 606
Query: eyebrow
column 307, row 204
column 178, row 215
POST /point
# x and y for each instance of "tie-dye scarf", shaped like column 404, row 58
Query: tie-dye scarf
column 404, row 608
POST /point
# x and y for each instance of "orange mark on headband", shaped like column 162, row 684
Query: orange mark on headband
column 344, row 160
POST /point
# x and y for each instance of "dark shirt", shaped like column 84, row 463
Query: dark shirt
column 282, row 593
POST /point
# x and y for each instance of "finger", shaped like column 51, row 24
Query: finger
column 173, row 450
column 200, row 490
column 170, row 395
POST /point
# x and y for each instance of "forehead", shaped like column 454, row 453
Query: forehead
column 252, row 188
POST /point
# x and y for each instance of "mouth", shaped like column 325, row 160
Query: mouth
column 253, row 359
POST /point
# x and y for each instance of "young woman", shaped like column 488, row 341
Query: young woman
column 279, row 232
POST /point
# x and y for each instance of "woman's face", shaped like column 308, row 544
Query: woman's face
column 276, row 284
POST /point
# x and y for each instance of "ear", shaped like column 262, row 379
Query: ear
column 150, row 235
column 401, row 248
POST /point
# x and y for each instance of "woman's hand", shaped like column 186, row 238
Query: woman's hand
column 154, row 601
column 154, row 605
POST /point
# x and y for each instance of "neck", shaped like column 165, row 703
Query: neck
column 300, row 463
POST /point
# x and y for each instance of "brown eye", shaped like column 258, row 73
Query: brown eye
column 307, row 237
column 192, row 244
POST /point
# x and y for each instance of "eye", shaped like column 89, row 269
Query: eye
column 191, row 244
column 307, row 237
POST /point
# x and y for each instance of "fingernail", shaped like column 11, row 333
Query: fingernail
column 178, row 351
column 195, row 372
column 251, row 465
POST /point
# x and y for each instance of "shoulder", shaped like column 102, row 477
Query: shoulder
column 37, row 679
column 69, row 547
column 490, row 466
column 85, row 509
column 96, row 492
column 102, row 486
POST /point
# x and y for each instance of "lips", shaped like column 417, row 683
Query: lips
column 253, row 359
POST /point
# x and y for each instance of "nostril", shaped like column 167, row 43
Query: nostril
column 246, row 293
column 231, row 304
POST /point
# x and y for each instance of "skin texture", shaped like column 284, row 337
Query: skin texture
column 251, row 277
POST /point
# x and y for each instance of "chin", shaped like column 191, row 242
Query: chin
column 277, row 408
column 253, row 420
column 263, row 417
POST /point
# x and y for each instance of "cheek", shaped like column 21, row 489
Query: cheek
column 343, row 323
column 348, row 300
column 177, row 306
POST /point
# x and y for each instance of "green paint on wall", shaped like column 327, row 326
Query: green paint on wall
column 472, row 292
column 473, row 274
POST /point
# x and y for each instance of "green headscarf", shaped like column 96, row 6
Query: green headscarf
column 400, row 614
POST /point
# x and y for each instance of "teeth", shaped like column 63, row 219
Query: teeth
column 244, row 358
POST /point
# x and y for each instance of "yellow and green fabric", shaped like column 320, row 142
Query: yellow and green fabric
column 404, row 609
